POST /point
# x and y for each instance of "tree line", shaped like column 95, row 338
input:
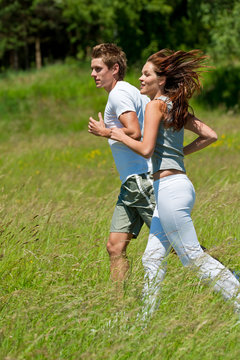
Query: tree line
column 37, row 32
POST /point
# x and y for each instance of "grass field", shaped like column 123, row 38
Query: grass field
column 57, row 193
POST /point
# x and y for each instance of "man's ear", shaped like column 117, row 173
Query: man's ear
column 115, row 69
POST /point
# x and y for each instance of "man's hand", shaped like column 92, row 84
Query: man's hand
column 98, row 128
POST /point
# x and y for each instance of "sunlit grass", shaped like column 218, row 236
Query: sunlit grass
column 57, row 194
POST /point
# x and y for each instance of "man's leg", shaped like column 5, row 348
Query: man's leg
column 116, row 247
column 126, row 224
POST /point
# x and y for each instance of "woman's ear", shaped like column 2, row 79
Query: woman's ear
column 162, row 81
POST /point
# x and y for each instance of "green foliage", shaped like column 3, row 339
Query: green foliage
column 88, row 22
column 141, row 24
column 140, row 27
column 221, row 87
column 21, row 22
column 13, row 31
column 221, row 19
column 45, row 17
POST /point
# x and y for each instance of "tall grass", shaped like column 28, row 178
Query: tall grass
column 57, row 194
column 48, row 101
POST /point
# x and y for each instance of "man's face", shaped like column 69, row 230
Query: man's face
column 103, row 76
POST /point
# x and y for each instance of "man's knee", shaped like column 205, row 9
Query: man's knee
column 112, row 249
column 117, row 244
column 116, row 249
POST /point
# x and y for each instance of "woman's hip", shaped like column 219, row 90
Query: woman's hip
column 174, row 192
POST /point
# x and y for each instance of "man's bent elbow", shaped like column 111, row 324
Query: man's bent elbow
column 214, row 137
column 136, row 135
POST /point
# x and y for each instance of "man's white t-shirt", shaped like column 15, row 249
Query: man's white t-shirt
column 126, row 97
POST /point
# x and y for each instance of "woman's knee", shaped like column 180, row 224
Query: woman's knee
column 191, row 256
column 153, row 258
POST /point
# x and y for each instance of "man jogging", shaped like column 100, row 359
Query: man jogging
column 124, row 109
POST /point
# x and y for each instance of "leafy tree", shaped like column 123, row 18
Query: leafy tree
column 45, row 24
column 89, row 22
column 139, row 25
column 132, row 24
column 36, row 29
column 13, row 29
column 26, row 22
column 221, row 20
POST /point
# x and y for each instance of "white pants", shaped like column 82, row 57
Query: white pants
column 172, row 226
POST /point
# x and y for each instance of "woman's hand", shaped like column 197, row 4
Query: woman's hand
column 117, row 134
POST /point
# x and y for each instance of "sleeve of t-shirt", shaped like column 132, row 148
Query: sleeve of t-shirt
column 122, row 101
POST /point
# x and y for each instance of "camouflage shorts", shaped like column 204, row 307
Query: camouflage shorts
column 135, row 205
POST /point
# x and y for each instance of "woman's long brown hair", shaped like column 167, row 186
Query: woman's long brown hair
column 182, row 70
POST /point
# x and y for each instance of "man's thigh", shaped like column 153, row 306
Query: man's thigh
column 126, row 220
column 145, row 199
column 135, row 205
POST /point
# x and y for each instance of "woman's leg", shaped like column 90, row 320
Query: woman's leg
column 175, row 198
column 154, row 263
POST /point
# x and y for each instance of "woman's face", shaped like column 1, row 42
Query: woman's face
column 149, row 81
column 151, row 84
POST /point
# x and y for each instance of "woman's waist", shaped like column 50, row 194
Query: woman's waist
column 167, row 172
column 162, row 167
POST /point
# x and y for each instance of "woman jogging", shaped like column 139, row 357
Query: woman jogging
column 170, row 79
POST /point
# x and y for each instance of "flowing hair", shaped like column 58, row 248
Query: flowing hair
column 182, row 70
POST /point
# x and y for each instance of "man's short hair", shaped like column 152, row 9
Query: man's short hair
column 111, row 54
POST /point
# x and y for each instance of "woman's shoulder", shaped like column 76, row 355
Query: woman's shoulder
column 157, row 104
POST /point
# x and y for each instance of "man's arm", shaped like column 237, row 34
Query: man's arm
column 130, row 123
column 128, row 119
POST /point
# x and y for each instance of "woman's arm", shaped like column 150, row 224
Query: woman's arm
column 128, row 119
column 153, row 116
column 206, row 135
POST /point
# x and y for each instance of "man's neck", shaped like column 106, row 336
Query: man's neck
column 113, row 84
